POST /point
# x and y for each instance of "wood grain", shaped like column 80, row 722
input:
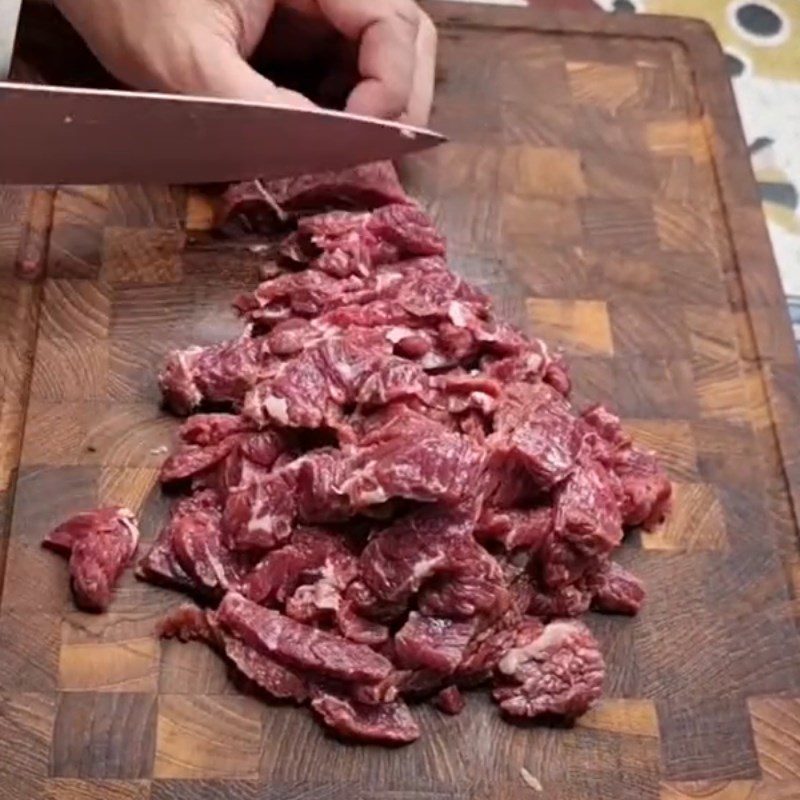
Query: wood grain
column 602, row 193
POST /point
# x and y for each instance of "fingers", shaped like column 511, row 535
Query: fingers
column 387, row 32
column 386, row 62
column 184, row 46
column 419, row 104
column 232, row 77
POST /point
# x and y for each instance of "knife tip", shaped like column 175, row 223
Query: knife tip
column 426, row 135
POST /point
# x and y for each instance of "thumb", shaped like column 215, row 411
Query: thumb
column 227, row 74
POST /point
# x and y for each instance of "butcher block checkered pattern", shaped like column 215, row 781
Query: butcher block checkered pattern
column 597, row 185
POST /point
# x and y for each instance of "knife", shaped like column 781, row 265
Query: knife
column 54, row 135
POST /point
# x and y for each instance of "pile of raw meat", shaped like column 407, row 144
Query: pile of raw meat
column 389, row 496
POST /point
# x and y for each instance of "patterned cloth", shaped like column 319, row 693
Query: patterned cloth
column 762, row 42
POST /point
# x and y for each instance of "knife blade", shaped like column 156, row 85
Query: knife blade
column 54, row 135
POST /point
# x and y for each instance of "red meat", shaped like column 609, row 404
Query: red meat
column 432, row 643
column 100, row 544
column 616, row 591
column 450, row 701
column 365, row 186
column 463, row 514
column 218, row 374
column 390, row 723
column 556, row 671
column 535, row 429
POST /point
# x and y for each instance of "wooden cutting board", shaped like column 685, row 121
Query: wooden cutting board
column 597, row 183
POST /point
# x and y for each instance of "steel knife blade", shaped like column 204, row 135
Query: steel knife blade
column 56, row 135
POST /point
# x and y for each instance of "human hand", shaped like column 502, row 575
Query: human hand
column 202, row 46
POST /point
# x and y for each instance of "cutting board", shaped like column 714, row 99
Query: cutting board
column 598, row 185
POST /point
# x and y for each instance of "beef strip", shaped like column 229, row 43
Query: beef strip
column 414, row 549
column 189, row 553
column 587, row 523
column 301, row 646
column 191, row 623
column 432, row 643
column 556, row 670
column 390, row 723
column 219, row 374
column 343, row 243
column 365, row 186
column 614, row 590
column 99, row 544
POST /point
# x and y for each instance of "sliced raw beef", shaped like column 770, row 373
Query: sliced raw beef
column 220, row 374
column 318, row 494
column 414, row 549
column 189, row 552
column 408, row 228
column 647, row 490
column 353, row 625
column 533, row 362
column 433, row 643
column 396, row 420
column 342, row 243
column 441, row 467
column 450, row 701
column 559, row 670
column 193, row 460
column 462, row 392
column 329, row 486
column 191, row 623
column 394, row 379
column 188, row 623
column 316, row 602
column 311, row 293
column 402, row 502
column 570, row 600
column 160, row 566
column 196, row 540
column 259, row 514
column 435, row 293
column 616, row 591
column 608, row 427
column 204, row 430
column 266, row 673
column 475, row 586
column 250, row 206
column 99, row 544
column 535, row 429
column 303, row 647
column 311, row 554
column 365, row 186
column 508, row 485
column 298, row 294
column 258, row 447
column 312, row 584
column 339, row 244
column 587, row 524
column 390, row 723
column 486, row 648
column 528, row 528
column 311, row 390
